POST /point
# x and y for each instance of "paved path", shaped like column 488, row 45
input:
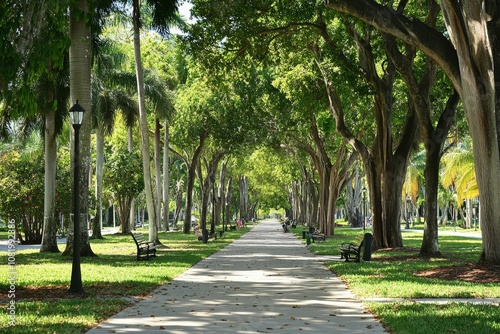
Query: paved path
column 265, row 282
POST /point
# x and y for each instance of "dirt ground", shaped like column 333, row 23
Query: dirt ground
column 468, row 272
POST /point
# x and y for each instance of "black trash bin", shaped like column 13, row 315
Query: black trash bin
column 367, row 247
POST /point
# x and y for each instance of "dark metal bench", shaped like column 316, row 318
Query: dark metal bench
column 145, row 249
column 348, row 249
column 199, row 235
column 318, row 236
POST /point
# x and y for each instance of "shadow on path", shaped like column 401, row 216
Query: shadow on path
column 265, row 282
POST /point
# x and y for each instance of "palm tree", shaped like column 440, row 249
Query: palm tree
column 458, row 175
column 413, row 182
column 161, row 100
column 105, row 104
column 164, row 11
column 53, row 125
column 34, row 83
column 80, row 65
column 109, row 94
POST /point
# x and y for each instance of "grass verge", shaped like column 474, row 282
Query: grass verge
column 109, row 280
column 396, row 273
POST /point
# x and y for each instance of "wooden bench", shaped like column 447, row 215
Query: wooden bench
column 348, row 249
column 145, row 249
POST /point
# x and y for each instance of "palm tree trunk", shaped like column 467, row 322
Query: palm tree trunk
column 130, row 146
column 158, row 173
column 99, row 168
column 49, row 238
column 165, row 178
column 79, row 57
column 146, row 163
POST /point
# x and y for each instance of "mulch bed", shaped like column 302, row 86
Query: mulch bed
column 467, row 272
column 470, row 272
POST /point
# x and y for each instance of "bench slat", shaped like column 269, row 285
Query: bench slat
column 348, row 249
column 145, row 249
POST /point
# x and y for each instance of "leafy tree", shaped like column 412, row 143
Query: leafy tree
column 269, row 176
column 33, row 88
column 345, row 53
column 124, row 178
column 468, row 53
column 22, row 193
column 163, row 14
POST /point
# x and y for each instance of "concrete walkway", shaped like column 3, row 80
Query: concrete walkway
column 265, row 282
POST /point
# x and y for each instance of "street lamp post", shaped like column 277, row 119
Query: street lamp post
column 364, row 208
column 76, row 116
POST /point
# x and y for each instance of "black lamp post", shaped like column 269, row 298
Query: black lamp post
column 76, row 115
column 363, row 209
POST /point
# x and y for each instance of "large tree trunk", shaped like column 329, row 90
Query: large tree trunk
column 323, row 167
column 466, row 23
column 124, row 213
column 434, row 138
column 190, row 182
column 353, row 200
column 79, row 64
column 385, row 163
column 243, row 197
column 220, row 197
column 469, row 63
column 434, row 142
column 211, row 168
column 205, row 196
column 339, row 174
column 49, row 238
column 227, row 202
column 143, row 120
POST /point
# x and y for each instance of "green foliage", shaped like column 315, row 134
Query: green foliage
column 34, row 42
column 269, row 174
column 124, row 173
column 22, row 191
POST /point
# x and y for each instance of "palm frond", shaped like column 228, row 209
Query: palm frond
column 163, row 15
column 467, row 185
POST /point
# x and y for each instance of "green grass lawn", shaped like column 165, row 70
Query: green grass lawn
column 42, row 280
column 394, row 274
column 115, row 275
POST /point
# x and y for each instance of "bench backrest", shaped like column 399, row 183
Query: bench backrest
column 138, row 237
